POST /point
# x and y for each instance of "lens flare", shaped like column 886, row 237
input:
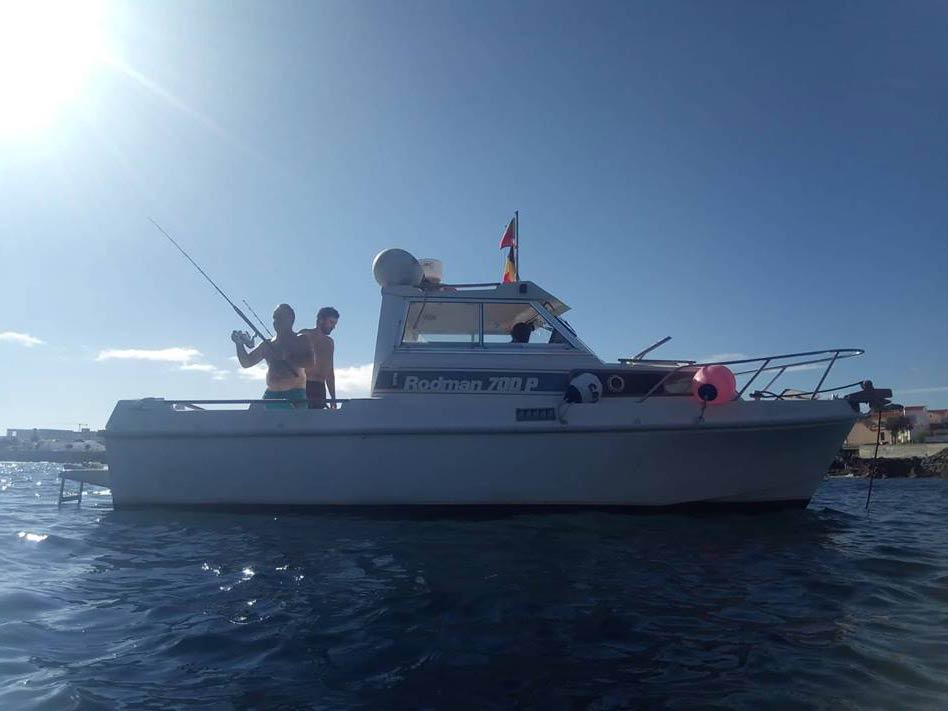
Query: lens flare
column 48, row 50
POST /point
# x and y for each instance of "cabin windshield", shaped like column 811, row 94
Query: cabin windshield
column 490, row 324
column 442, row 323
column 516, row 323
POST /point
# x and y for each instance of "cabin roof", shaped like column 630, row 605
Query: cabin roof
column 525, row 291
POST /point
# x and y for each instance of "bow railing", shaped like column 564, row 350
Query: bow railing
column 783, row 363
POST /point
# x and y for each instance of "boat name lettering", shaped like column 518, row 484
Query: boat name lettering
column 495, row 384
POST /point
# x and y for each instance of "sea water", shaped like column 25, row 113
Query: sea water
column 823, row 608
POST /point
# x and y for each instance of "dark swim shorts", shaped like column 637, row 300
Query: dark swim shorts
column 316, row 394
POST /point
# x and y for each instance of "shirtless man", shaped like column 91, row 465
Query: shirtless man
column 320, row 373
column 287, row 357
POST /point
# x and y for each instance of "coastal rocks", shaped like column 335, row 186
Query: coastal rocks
column 897, row 468
column 892, row 468
column 937, row 464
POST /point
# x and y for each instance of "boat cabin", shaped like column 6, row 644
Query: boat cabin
column 477, row 338
column 491, row 339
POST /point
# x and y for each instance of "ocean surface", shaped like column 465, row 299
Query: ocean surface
column 823, row 608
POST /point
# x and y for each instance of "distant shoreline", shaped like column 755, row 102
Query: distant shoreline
column 55, row 457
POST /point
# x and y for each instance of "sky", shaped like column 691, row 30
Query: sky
column 748, row 178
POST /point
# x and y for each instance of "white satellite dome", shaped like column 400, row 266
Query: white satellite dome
column 396, row 267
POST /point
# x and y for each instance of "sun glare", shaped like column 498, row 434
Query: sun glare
column 48, row 49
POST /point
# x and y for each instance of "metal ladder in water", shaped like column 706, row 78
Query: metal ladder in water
column 96, row 477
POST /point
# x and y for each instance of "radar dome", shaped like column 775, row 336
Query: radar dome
column 396, row 267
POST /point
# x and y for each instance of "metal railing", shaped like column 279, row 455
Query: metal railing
column 797, row 361
column 197, row 404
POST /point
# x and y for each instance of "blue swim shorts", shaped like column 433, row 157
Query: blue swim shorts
column 297, row 395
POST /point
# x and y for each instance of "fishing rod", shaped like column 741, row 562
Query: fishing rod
column 259, row 320
column 219, row 291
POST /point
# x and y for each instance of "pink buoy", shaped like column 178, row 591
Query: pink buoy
column 714, row 384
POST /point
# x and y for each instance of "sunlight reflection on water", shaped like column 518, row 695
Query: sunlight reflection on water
column 810, row 608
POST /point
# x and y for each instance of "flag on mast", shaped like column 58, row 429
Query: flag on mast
column 509, row 241
column 510, row 234
column 510, row 268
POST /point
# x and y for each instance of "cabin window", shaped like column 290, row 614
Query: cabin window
column 517, row 323
column 442, row 323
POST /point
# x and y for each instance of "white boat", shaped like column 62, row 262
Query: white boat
column 461, row 416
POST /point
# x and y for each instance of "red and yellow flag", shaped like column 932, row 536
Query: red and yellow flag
column 510, row 267
column 509, row 241
column 510, row 235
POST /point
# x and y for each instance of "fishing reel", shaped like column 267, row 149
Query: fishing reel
column 243, row 337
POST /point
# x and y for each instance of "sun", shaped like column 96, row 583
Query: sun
column 48, row 50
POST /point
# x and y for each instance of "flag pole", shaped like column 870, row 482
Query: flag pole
column 517, row 239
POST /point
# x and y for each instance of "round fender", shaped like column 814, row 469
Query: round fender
column 714, row 385
column 584, row 388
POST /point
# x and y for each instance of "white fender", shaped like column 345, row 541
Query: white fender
column 584, row 388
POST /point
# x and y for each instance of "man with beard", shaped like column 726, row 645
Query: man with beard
column 320, row 374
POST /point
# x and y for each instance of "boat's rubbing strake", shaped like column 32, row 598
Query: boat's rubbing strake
column 522, row 415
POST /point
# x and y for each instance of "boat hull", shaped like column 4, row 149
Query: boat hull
column 595, row 456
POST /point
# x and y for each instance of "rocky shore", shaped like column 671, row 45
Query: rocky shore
column 935, row 466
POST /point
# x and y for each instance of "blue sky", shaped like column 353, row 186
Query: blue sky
column 746, row 177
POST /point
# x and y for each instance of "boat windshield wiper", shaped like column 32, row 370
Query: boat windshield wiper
column 642, row 354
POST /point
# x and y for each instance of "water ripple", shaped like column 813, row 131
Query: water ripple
column 825, row 607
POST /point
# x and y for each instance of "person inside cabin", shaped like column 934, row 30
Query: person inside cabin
column 320, row 374
column 287, row 357
column 520, row 333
